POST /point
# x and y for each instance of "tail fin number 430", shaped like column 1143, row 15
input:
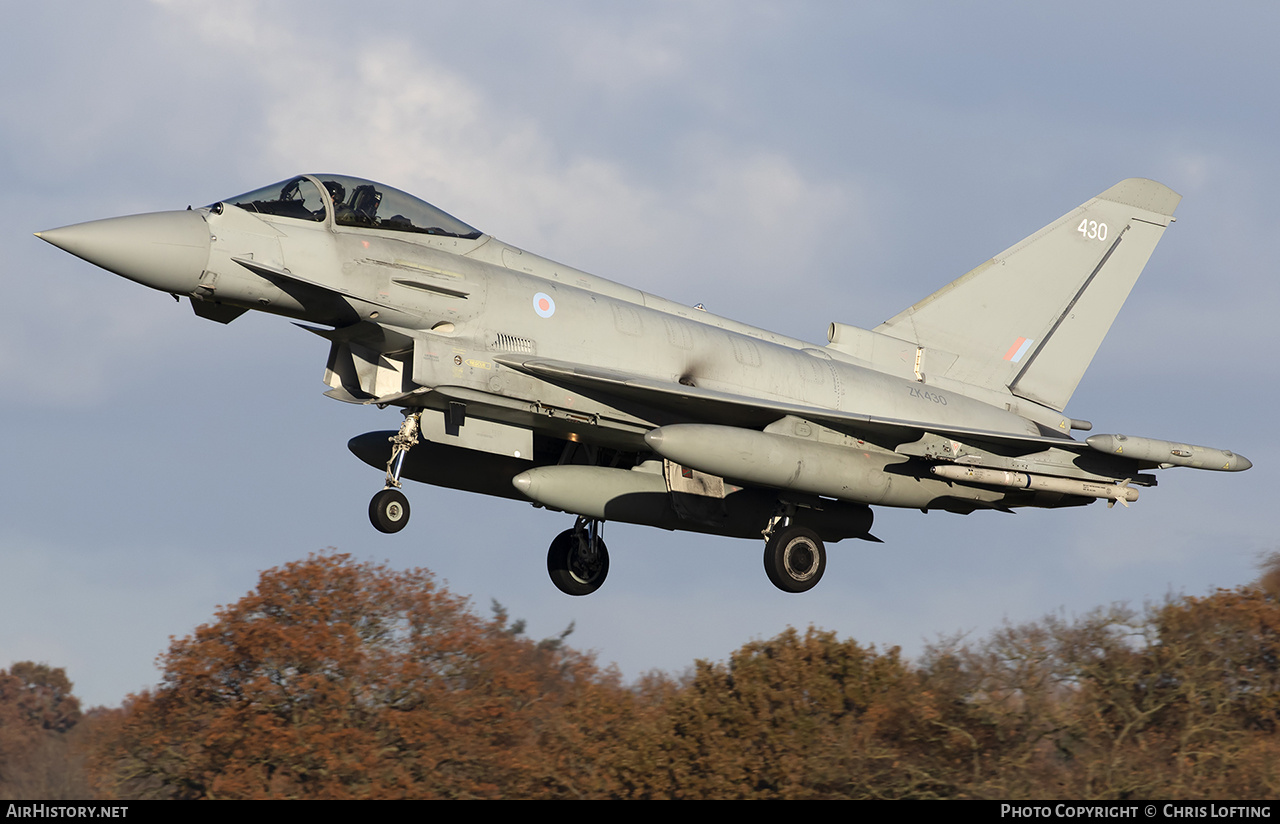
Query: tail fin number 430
column 1092, row 229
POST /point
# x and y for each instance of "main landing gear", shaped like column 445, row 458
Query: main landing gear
column 389, row 509
column 578, row 560
column 794, row 557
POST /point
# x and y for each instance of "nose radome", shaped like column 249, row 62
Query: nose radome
column 164, row 250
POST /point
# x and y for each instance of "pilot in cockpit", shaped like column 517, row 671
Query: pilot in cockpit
column 338, row 194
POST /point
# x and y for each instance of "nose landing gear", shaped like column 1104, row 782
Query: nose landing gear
column 389, row 509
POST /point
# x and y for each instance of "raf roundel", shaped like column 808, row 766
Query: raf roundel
column 544, row 305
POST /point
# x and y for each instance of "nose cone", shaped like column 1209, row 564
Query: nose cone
column 165, row 250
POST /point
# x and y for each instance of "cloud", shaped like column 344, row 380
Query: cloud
column 384, row 108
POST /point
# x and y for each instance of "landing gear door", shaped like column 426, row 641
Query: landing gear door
column 695, row 496
column 688, row 481
column 481, row 436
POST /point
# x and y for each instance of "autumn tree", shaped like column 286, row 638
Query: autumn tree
column 1214, row 662
column 1006, row 701
column 338, row 679
column 37, row 715
column 1181, row 700
column 806, row 716
column 1057, row 706
column 1269, row 578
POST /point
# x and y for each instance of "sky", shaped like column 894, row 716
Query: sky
column 785, row 163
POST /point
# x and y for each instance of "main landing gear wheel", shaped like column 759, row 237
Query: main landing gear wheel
column 794, row 559
column 578, row 560
column 389, row 511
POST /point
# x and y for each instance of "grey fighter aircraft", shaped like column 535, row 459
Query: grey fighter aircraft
column 526, row 379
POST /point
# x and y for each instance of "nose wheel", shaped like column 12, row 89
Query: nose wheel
column 389, row 509
column 578, row 560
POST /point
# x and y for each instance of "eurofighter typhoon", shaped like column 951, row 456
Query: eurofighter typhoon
column 526, row 379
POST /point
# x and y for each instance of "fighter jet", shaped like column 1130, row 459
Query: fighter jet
column 527, row 379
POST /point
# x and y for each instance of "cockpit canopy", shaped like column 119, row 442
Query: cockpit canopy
column 353, row 202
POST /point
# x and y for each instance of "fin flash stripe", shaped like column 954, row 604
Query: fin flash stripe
column 1019, row 348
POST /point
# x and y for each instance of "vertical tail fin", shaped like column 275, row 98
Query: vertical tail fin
column 1032, row 317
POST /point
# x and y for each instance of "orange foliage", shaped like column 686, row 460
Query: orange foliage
column 337, row 679
column 37, row 712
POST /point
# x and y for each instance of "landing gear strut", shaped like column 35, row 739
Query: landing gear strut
column 794, row 557
column 578, row 560
column 389, row 509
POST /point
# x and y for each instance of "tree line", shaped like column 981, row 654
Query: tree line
column 336, row 678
